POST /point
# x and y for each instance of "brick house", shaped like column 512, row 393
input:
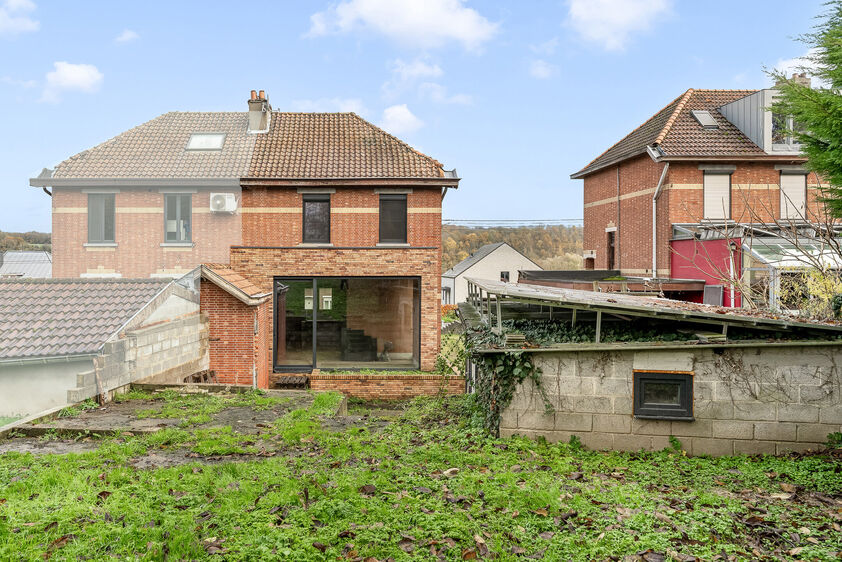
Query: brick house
column 320, row 233
column 679, row 196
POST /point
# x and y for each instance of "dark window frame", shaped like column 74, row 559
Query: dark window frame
column 611, row 248
column 278, row 286
column 314, row 198
column 382, row 215
column 654, row 411
column 505, row 276
column 98, row 205
column 178, row 198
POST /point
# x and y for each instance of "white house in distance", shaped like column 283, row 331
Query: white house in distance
column 493, row 261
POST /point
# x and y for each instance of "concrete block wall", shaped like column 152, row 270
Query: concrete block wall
column 755, row 400
column 162, row 352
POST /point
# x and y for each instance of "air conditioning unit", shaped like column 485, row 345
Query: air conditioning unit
column 223, row 202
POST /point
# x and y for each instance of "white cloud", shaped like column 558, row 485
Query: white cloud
column 17, row 82
column 68, row 77
column 127, row 36
column 541, row 69
column 611, row 23
column 407, row 75
column 14, row 18
column 418, row 68
column 438, row 93
column 398, row 119
column 342, row 105
column 424, row 24
column 546, row 48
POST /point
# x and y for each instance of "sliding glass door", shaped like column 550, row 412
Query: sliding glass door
column 347, row 323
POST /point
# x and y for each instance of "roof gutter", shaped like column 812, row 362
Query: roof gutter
column 48, row 181
column 45, row 359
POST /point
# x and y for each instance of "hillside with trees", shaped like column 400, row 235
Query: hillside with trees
column 25, row 241
column 550, row 246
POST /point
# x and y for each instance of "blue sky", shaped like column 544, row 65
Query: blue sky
column 515, row 96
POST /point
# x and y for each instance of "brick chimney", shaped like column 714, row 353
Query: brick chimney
column 801, row 79
column 260, row 112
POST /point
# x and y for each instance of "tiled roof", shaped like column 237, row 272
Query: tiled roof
column 48, row 317
column 335, row 145
column 25, row 263
column 157, row 149
column 678, row 133
column 233, row 283
column 298, row 145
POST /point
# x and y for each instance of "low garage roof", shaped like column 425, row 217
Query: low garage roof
column 61, row 317
column 651, row 307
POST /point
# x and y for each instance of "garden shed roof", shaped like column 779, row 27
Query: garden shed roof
column 620, row 304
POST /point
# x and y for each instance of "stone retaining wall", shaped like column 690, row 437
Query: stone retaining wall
column 758, row 399
column 386, row 386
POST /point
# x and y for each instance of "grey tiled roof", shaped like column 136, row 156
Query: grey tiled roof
column 25, row 263
column 297, row 145
column 48, row 317
column 157, row 149
column 678, row 133
column 468, row 262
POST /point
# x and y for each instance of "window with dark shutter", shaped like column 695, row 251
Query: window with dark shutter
column 177, row 217
column 393, row 219
column 663, row 396
column 317, row 219
column 100, row 218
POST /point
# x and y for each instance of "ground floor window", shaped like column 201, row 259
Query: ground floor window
column 663, row 396
column 347, row 323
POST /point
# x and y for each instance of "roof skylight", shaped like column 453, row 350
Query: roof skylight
column 705, row 119
column 206, row 141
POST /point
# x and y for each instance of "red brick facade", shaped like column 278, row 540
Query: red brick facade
column 139, row 250
column 387, row 387
column 238, row 337
column 620, row 197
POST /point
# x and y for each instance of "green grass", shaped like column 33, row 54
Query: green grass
column 356, row 493
column 199, row 408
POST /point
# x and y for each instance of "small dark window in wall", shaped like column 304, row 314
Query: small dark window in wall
column 393, row 219
column 610, row 251
column 317, row 219
column 589, row 263
column 663, row 396
column 100, row 218
column 504, row 276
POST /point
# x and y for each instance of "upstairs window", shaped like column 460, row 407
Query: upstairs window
column 317, row 219
column 393, row 219
column 782, row 129
column 101, row 218
column 177, row 215
column 793, row 196
column 717, row 195
column 504, row 276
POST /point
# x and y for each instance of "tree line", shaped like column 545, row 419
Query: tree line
column 551, row 247
column 25, row 241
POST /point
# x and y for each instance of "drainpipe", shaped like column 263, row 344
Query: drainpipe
column 655, row 220
column 617, row 251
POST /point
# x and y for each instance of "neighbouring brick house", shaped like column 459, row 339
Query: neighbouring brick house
column 320, row 233
column 657, row 202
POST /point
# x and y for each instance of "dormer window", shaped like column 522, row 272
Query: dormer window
column 782, row 128
column 206, row 141
column 705, row 119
